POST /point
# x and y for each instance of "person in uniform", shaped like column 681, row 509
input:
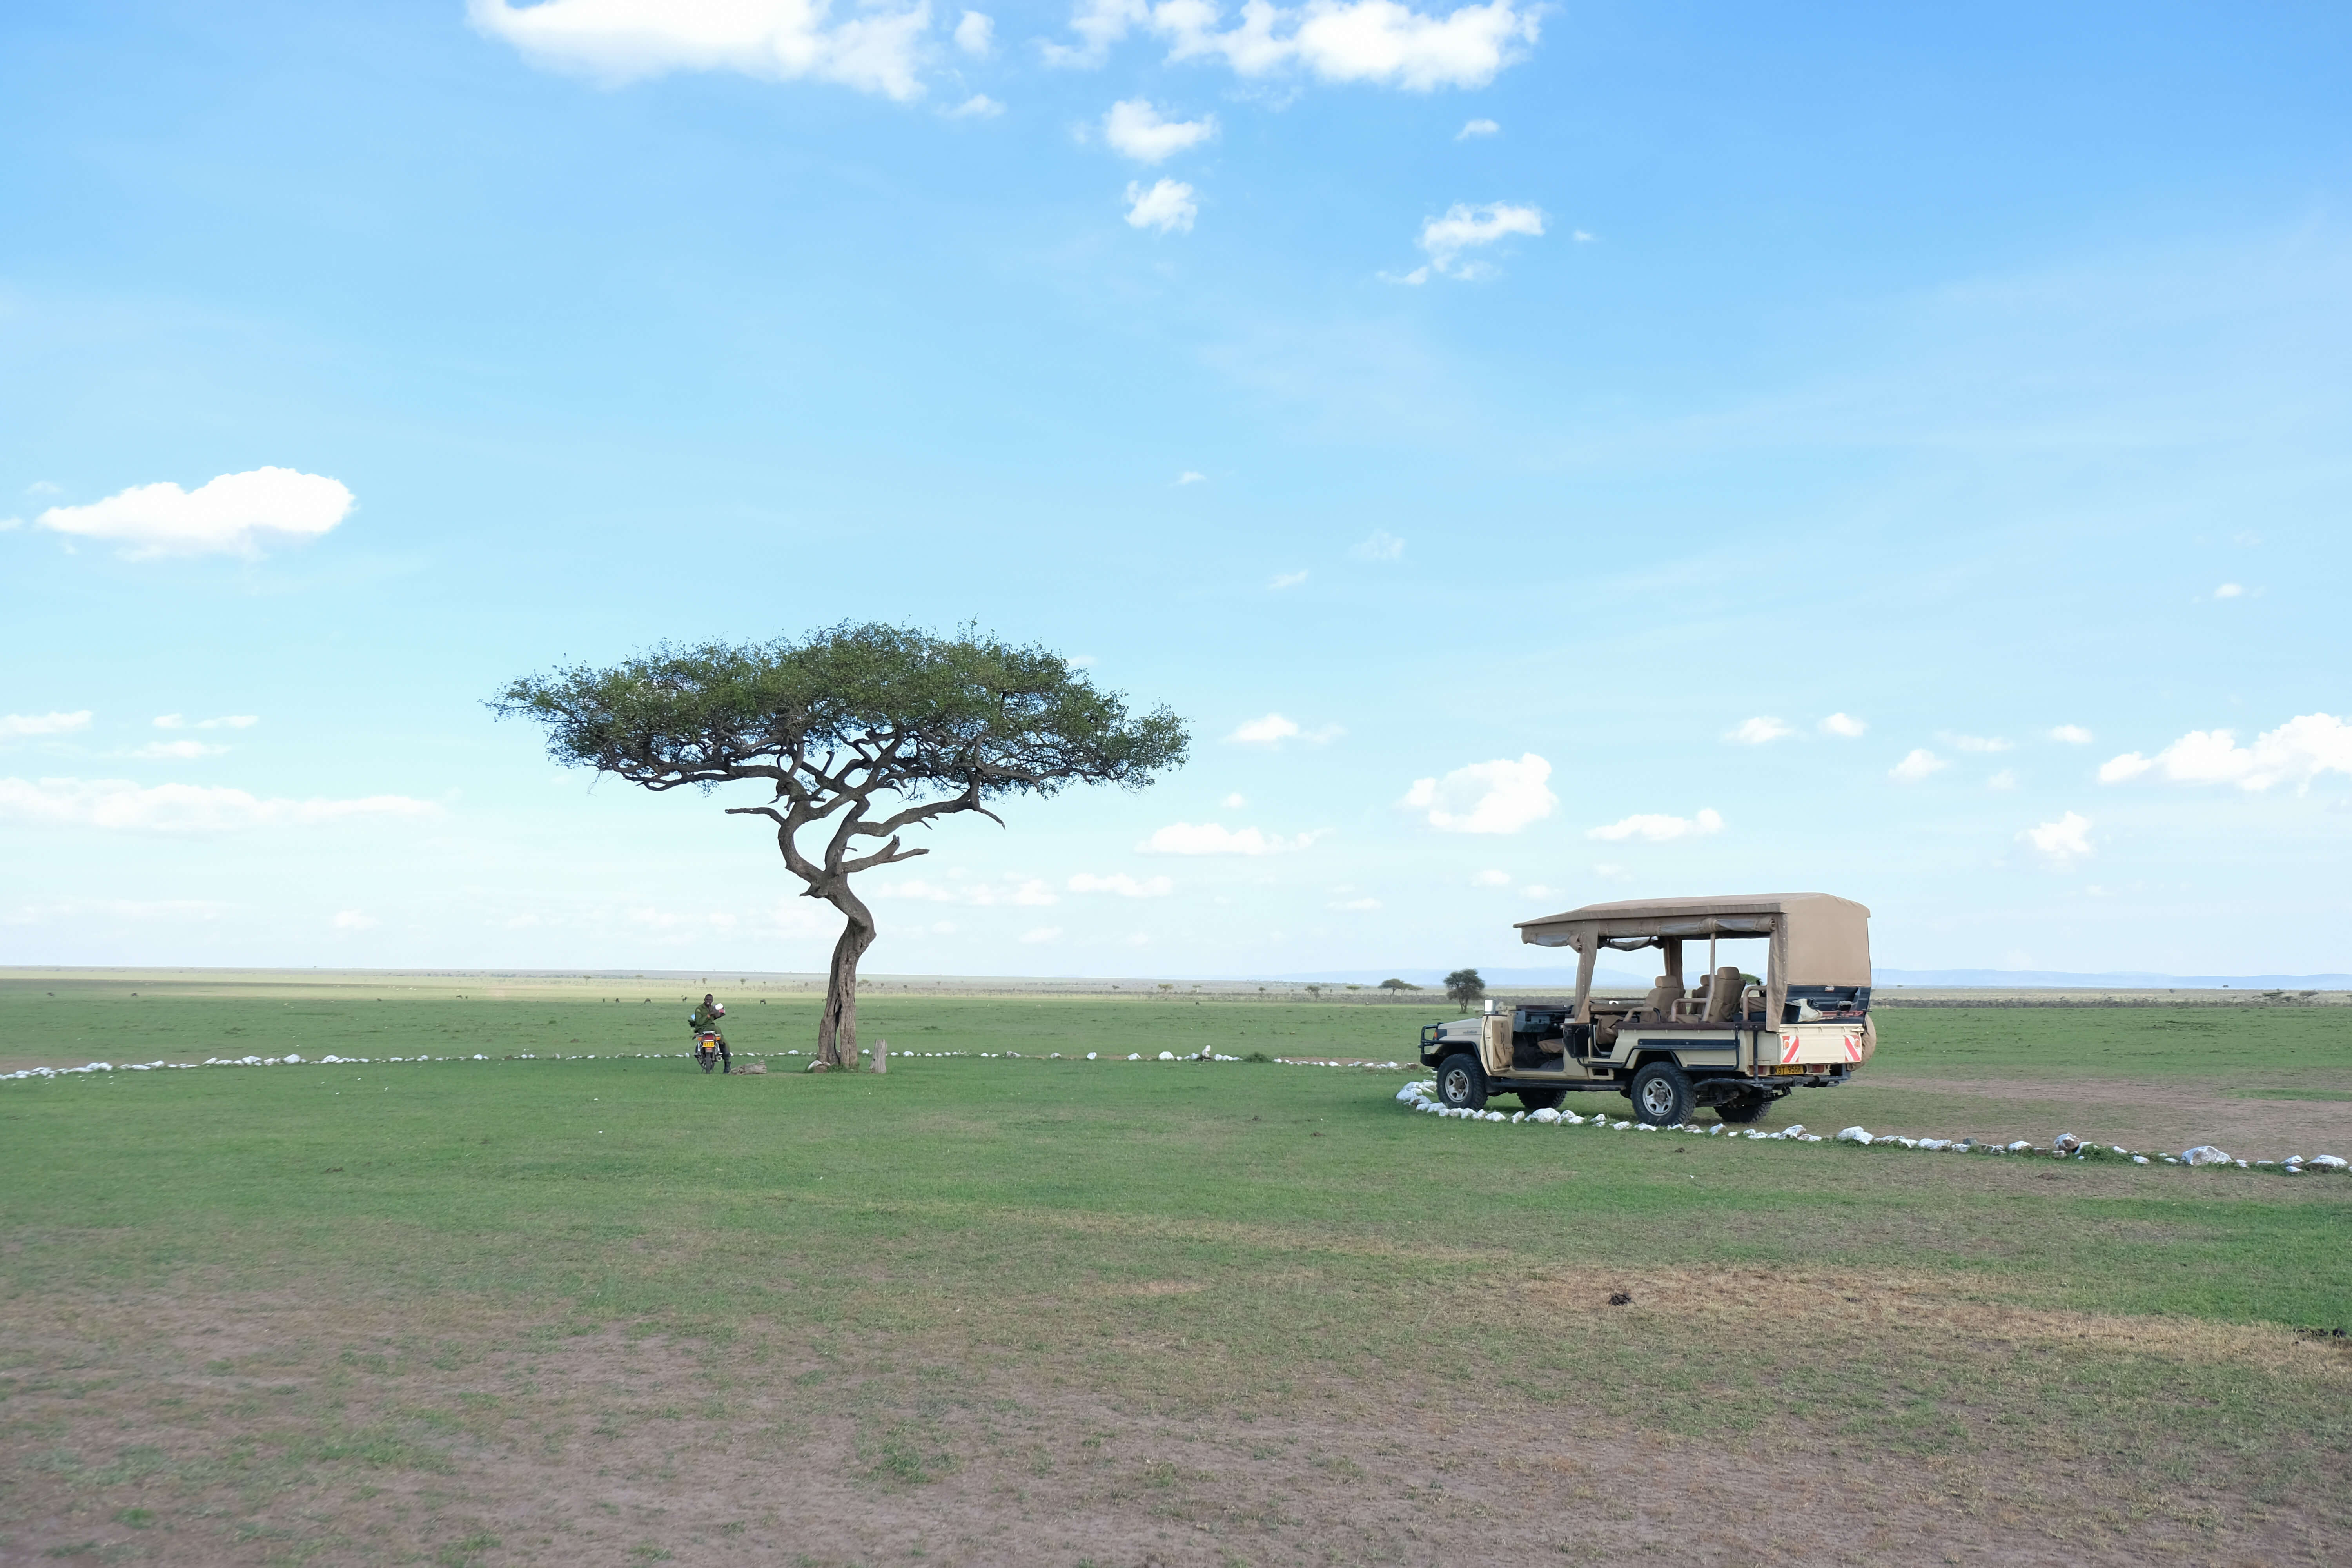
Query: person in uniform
column 707, row 1016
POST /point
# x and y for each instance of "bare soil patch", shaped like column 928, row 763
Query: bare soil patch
column 2138, row 1113
column 250, row 1431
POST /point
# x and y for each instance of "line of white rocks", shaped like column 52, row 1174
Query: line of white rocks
column 1423, row 1097
column 292, row 1059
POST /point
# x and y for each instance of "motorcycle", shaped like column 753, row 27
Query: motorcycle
column 706, row 1048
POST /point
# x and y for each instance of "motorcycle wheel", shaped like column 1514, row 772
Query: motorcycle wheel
column 709, row 1059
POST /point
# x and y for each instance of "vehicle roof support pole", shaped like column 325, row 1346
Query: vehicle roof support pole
column 1587, row 951
column 1776, row 983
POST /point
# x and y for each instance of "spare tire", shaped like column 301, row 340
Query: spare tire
column 1462, row 1083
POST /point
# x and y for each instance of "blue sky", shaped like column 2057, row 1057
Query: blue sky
column 1550, row 453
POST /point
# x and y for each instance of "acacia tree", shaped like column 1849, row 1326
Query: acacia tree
column 862, row 731
column 1466, row 988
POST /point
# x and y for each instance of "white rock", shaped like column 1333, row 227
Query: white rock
column 2064, row 1143
column 1795, row 1128
column 2204, row 1154
column 1572, row 1118
column 1090, row 1055
column 1619, row 1126
column 2139, row 1159
column 1135, row 1055
column 1854, row 1135
column 1545, row 1114
column 2326, row 1163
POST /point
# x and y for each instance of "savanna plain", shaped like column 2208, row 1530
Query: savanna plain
column 1011, row 1309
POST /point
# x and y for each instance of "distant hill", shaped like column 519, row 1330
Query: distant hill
column 2029, row 978
column 1435, row 979
column 1564, row 977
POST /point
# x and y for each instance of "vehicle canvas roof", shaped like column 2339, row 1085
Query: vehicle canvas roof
column 1825, row 939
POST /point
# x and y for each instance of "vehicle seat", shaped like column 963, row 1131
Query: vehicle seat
column 1722, row 994
column 1658, row 1007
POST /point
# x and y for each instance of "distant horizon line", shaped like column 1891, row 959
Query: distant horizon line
column 1426, row 979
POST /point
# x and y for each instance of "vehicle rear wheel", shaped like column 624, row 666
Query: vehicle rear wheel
column 709, row 1059
column 1462, row 1083
column 1542, row 1098
column 1749, row 1107
column 1662, row 1095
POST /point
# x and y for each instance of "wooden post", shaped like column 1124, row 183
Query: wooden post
column 881, row 1054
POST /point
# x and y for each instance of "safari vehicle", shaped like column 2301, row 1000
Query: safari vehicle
column 1735, row 1042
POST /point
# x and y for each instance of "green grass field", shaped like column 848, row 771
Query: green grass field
column 1025, row 1309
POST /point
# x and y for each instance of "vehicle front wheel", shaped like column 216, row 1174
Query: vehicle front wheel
column 1542, row 1098
column 1662, row 1095
column 1462, row 1083
column 1748, row 1108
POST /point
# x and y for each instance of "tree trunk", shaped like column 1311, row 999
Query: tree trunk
column 836, row 1029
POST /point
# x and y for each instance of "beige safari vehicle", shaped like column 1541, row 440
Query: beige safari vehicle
column 1797, row 1017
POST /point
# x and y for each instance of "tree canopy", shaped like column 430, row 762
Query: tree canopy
column 866, row 729
column 1465, row 987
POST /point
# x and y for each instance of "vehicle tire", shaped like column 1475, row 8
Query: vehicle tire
column 1542, row 1098
column 1462, row 1083
column 1662, row 1095
column 1750, row 1107
column 709, row 1059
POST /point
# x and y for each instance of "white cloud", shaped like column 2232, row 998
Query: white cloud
column 44, row 723
column 1609, row 871
column 118, row 804
column 225, row 721
column 1536, row 890
column 1272, row 729
column 44, row 488
column 1980, row 742
column 975, row 34
column 1215, row 838
column 1467, row 227
column 1500, row 797
column 1287, row 580
column 351, row 919
column 1476, row 128
column 8, row 523
column 1844, row 724
column 1381, row 545
column 1917, row 764
column 1125, row 886
column 2230, row 591
column 1138, row 131
column 2296, row 752
column 2071, row 735
column 1167, row 206
column 616, row 41
column 1026, row 892
column 177, row 748
column 1234, row 802
column 1191, row 476
column 1041, row 934
column 1652, row 828
column 1080, row 661
column 2005, row 779
column 2062, row 842
column 1760, row 730
column 1492, row 879
column 232, row 514
column 979, row 106
column 1377, row 41
column 1357, row 904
